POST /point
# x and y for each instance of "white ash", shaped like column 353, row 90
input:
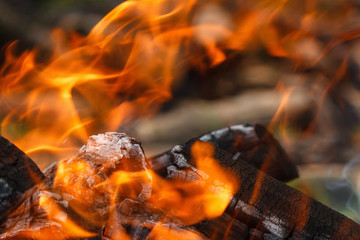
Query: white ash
column 114, row 149
column 179, row 159
column 248, row 209
column 272, row 223
column 247, row 131
column 275, row 225
column 113, row 145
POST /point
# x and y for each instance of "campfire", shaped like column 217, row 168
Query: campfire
column 207, row 188
column 77, row 108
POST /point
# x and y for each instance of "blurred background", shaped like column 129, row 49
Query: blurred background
column 294, row 67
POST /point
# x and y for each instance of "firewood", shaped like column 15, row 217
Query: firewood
column 224, row 227
column 262, row 207
column 270, row 205
column 18, row 173
column 252, row 143
column 79, row 199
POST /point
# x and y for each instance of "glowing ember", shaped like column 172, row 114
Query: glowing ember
column 55, row 214
column 109, row 184
column 109, row 165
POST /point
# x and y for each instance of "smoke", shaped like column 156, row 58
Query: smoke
column 344, row 190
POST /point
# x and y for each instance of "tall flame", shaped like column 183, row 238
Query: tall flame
column 126, row 66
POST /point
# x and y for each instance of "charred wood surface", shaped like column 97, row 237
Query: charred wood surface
column 262, row 208
column 271, row 206
column 18, row 173
column 252, row 143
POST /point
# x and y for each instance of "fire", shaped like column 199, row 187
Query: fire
column 103, row 196
column 125, row 68
column 57, row 215
column 216, row 200
column 127, row 65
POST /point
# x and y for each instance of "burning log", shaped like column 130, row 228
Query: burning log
column 268, row 204
column 109, row 191
column 251, row 143
column 18, row 173
column 75, row 199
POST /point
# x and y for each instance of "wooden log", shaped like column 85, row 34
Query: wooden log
column 223, row 227
column 18, row 173
column 273, row 207
column 79, row 199
column 263, row 208
column 250, row 142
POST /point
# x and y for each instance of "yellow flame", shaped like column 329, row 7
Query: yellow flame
column 124, row 69
column 126, row 66
column 222, row 183
column 54, row 213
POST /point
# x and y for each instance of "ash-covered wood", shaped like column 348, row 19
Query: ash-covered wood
column 18, row 173
column 252, row 143
column 82, row 195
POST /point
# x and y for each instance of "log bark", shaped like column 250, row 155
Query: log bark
column 250, row 142
column 271, row 206
column 79, row 196
column 18, row 173
column 262, row 208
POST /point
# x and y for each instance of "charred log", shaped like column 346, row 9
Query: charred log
column 269, row 205
column 224, row 227
column 252, row 143
column 18, row 173
column 79, row 199
column 262, row 208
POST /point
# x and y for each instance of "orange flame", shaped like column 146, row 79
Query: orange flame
column 216, row 200
column 95, row 194
column 56, row 214
column 126, row 66
column 77, row 181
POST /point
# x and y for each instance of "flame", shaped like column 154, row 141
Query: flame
column 94, row 194
column 216, row 200
column 202, row 194
column 54, row 213
column 83, row 185
column 286, row 93
column 127, row 65
column 125, row 68
column 76, row 181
